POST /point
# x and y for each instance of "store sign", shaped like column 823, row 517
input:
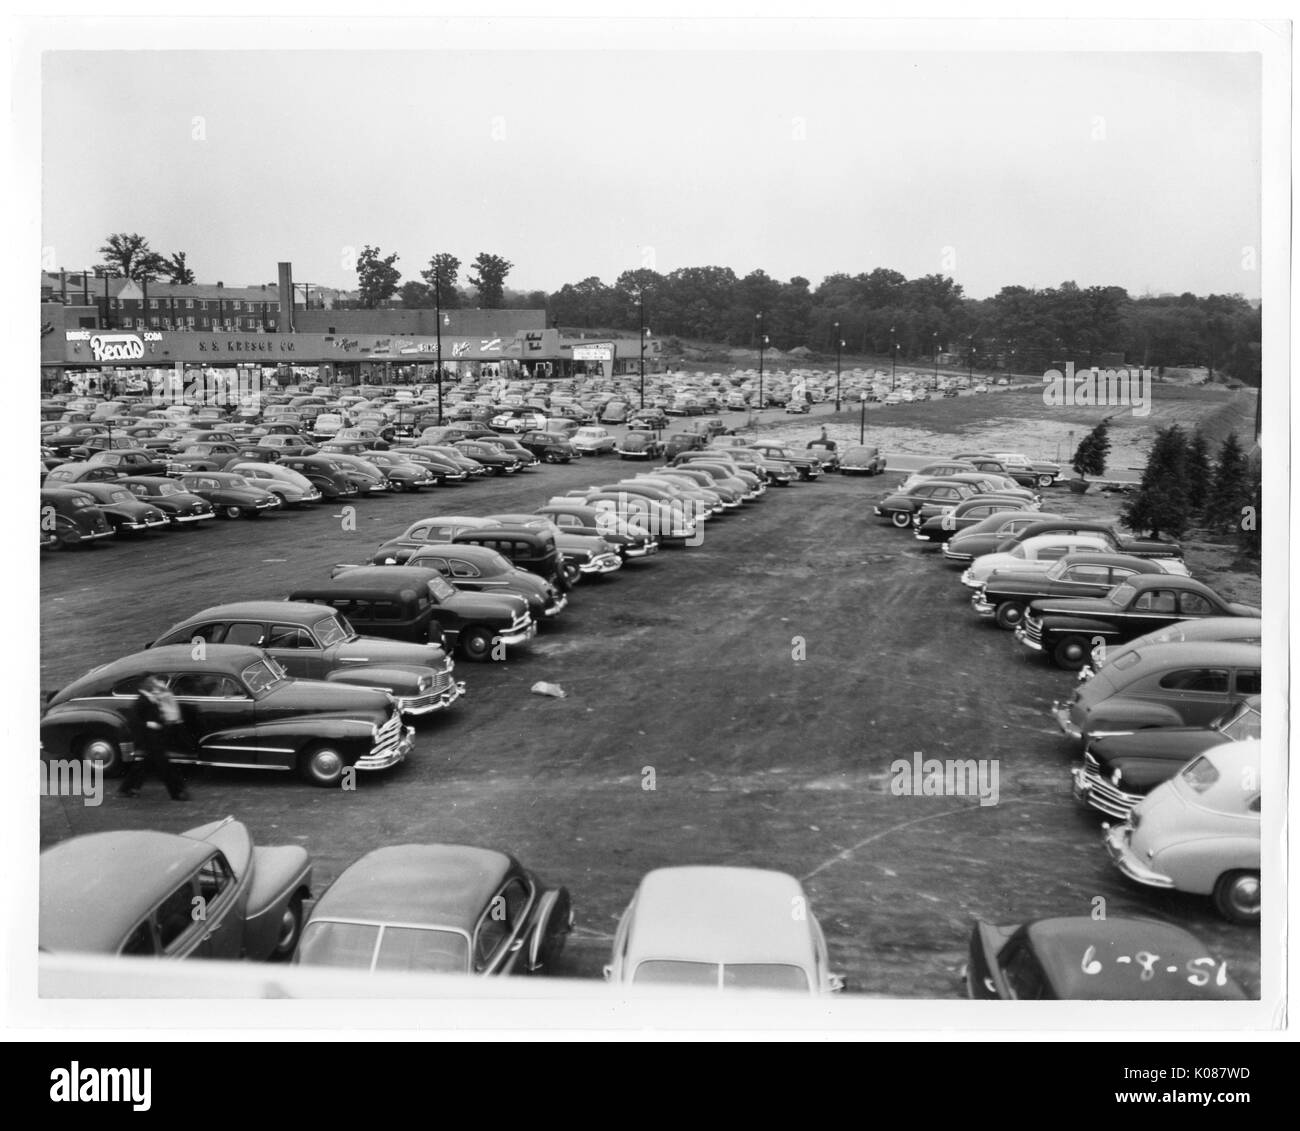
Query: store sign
column 116, row 347
column 593, row 353
column 77, row 335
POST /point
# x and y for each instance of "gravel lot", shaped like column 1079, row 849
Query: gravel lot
column 768, row 678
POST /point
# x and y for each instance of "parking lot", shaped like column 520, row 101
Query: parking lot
column 762, row 683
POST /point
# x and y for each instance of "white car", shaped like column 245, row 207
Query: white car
column 291, row 487
column 721, row 929
column 592, row 441
column 1033, row 554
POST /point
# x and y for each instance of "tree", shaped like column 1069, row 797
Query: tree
column 490, row 279
column 415, row 295
column 442, row 272
column 1230, row 490
column 128, row 255
column 376, row 277
column 1248, row 529
column 1161, row 500
column 1198, row 471
column 1090, row 455
column 177, row 270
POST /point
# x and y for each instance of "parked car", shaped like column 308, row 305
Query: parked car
column 240, row 710
column 549, row 447
column 588, row 553
column 1199, row 832
column 130, row 461
column 203, row 456
column 1086, row 959
column 438, row 908
column 74, row 473
column 73, row 517
column 292, row 488
column 1244, row 630
column 519, row 420
column 1164, row 685
column 134, row 893
column 936, row 469
column 639, row 445
column 648, row 420
column 1118, row 770
column 1036, row 554
column 826, row 454
column 614, row 412
column 489, row 455
column 594, row 441
column 287, row 443
column 1045, row 472
column 328, row 476
column 126, row 513
column 627, row 538
column 1068, row 629
column 1118, row 541
column 311, row 641
column 368, row 477
column 805, row 463
column 476, row 569
column 900, row 506
column 444, row 468
column 982, row 461
column 937, row 529
column 418, row 604
column 166, row 494
column 1005, row 594
column 721, row 928
column 678, row 442
column 231, row 496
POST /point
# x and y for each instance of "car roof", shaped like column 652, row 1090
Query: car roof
column 1234, row 653
column 719, row 914
column 227, row 658
column 94, row 888
column 370, row 579
column 262, row 610
column 437, row 885
column 1098, row 557
column 1059, row 945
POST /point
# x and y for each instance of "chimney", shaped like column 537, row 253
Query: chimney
column 286, row 297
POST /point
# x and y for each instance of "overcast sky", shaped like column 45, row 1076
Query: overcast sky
column 1140, row 170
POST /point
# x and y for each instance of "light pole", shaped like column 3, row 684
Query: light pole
column 839, row 345
column 936, row 357
column 1011, row 359
column 970, row 358
column 862, row 418
column 762, row 341
column 893, row 361
column 640, row 307
column 437, row 329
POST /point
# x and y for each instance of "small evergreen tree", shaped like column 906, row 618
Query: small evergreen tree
column 1199, row 473
column 1160, row 504
column 1230, row 488
column 1090, row 455
column 1248, row 530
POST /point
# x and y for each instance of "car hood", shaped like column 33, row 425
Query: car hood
column 316, row 697
column 374, row 650
column 504, row 605
column 1152, row 755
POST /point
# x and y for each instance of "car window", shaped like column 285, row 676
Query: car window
column 1195, row 605
column 1245, row 724
column 384, row 610
column 140, row 940
column 1088, row 574
column 490, row 937
column 1024, row 975
column 422, row 949
column 215, row 879
column 1156, row 601
column 1197, row 679
column 1248, row 681
column 764, row 976
column 205, row 685
column 245, row 633
column 289, row 636
column 174, row 915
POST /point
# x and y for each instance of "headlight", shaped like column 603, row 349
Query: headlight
column 425, row 682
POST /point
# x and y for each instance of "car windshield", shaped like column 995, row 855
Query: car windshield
column 120, row 496
column 263, row 675
column 743, row 975
column 1245, row 724
column 370, row 946
column 1121, row 595
column 331, row 631
column 236, row 481
column 1057, row 569
column 1200, row 774
column 164, row 489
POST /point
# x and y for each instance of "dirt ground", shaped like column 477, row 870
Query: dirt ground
column 768, row 678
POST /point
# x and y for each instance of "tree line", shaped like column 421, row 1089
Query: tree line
column 881, row 312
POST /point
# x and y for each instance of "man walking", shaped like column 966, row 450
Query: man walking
column 158, row 718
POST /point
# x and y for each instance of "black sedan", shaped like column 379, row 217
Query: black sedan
column 438, row 909
column 126, row 513
column 232, row 496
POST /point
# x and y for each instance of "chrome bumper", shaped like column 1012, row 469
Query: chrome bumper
column 388, row 754
column 193, row 517
column 1118, row 844
column 981, row 605
column 1090, row 788
column 517, row 635
column 642, row 551
column 602, row 563
column 431, row 701
column 1023, row 639
column 556, row 607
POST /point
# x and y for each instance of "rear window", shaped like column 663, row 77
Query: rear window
column 1200, row 774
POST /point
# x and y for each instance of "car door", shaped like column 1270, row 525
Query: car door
column 1150, row 610
column 1199, row 695
column 297, row 650
column 211, row 702
column 222, row 899
column 500, row 937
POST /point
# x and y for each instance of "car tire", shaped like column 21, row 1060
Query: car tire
column 1045, row 481
column 1009, row 614
column 397, row 485
column 232, row 512
column 1237, row 896
column 105, row 750
column 322, row 765
column 551, row 457
column 1071, row 653
column 901, row 519
column 290, row 932
column 476, row 643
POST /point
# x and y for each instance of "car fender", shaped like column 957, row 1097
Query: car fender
column 1130, row 716
column 1087, row 626
column 298, row 732
column 63, row 723
column 1195, row 863
column 399, row 679
column 280, row 872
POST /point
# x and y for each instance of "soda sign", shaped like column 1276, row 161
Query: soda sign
column 116, row 347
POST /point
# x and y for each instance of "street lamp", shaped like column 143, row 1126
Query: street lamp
column 970, row 358
column 640, row 307
column 437, row 329
column 839, row 345
column 893, row 361
column 762, row 341
column 936, row 356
